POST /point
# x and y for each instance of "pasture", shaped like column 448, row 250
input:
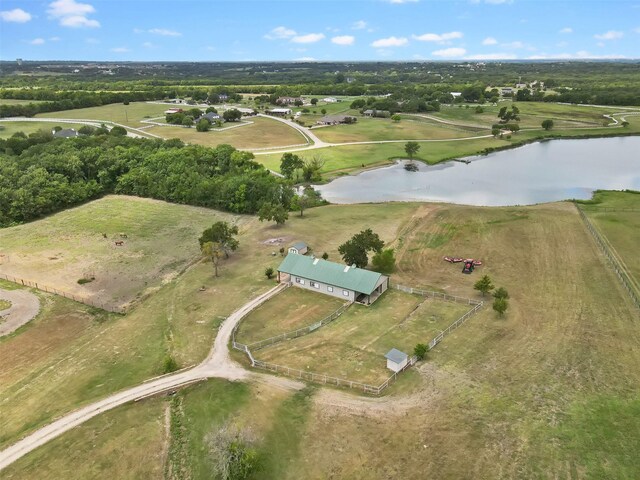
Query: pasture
column 260, row 133
column 7, row 129
column 292, row 309
column 80, row 243
column 352, row 347
column 374, row 129
column 129, row 115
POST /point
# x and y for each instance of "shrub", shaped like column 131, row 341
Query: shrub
column 420, row 351
column 269, row 272
column 169, row 364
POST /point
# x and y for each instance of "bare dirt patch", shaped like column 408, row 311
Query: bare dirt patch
column 24, row 306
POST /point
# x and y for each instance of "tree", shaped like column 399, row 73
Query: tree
column 355, row 251
column 269, row 272
column 396, row 118
column 187, row 122
column 501, row 293
column 232, row 454
column 118, row 131
column 281, row 251
column 298, row 103
column 289, row 163
column 212, row 251
column 314, row 101
column 500, row 305
column 420, row 351
column 358, row 104
column 275, row 212
column 625, row 124
column 384, row 261
column 323, row 111
column 312, row 167
column 495, row 131
column 547, row 124
column 232, row 115
column 86, row 130
column 325, row 256
column 479, row 109
column 223, row 234
column 203, row 125
column 484, row 285
column 211, row 110
column 411, row 148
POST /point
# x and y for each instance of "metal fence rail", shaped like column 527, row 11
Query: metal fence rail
column 623, row 276
column 62, row 293
column 440, row 295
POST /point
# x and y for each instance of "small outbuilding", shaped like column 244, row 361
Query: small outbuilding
column 299, row 247
column 396, row 360
column 281, row 112
column 65, row 133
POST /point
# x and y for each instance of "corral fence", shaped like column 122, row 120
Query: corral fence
column 597, row 208
column 343, row 382
column 62, row 293
column 621, row 272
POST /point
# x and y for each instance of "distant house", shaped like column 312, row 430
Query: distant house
column 456, row 94
column 223, row 97
column 299, row 247
column 330, row 100
column 65, row 133
column 396, row 360
column 279, row 111
column 377, row 113
column 171, row 111
column 336, row 119
column 288, row 100
column 349, row 283
column 213, row 117
column 507, row 91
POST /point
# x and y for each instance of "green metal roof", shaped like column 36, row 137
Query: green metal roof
column 349, row 278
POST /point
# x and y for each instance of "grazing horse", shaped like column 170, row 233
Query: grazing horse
column 119, row 243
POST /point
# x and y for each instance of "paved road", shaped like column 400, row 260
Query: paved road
column 24, row 307
column 217, row 364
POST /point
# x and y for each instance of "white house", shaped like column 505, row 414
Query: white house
column 456, row 94
column 330, row 100
column 350, row 283
column 279, row 111
column 299, row 247
column 396, row 360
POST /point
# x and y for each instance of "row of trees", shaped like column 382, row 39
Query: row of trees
column 40, row 175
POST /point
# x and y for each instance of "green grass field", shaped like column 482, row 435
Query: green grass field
column 9, row 128
column 66, row 247
column 129, row 115
column 374, row 129
column 292, row 309
column 353, row 346
column 261, row 133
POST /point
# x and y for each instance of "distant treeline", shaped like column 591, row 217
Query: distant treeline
column 40, row 175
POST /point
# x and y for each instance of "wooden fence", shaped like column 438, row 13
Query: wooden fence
column 343, row 382
column 62, row 293
column 621, row 272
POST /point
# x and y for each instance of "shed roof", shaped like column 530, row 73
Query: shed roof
column 299, row 245
column 343, row 276
column 396, row 355
column 66, row 133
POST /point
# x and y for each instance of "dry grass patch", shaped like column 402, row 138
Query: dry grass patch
column 291, row 309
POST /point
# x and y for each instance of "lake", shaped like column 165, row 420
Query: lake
column 535, row 173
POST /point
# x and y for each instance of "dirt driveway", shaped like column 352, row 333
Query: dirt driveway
column 24, row 307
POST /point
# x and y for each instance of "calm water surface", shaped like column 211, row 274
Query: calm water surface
column 536, row 173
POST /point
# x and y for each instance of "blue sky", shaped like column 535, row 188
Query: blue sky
column 386, row 30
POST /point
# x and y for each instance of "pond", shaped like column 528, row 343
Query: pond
column 536, row 173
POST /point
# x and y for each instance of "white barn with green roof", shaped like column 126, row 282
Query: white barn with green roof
column 349, row 283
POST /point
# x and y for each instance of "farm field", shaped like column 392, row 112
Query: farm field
column 129, row 115
column 292, row 309
column 70, row 246
column 374, row 129
column 13, row 101
column 353, row 346
column 262, row 132
column 7, row 129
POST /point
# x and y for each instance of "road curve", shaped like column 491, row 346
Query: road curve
column 217, row 364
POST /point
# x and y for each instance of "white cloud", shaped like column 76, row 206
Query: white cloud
column 610, row 35
column 120, row 50
column 17, row 15
column 343, row 40
column 390, row 42
column 582, row 54
column 72, row 14
column 489, row 41
column 305, row 59
column 164, row 32
column 308, row 38
column 359, row 25
column 92, row 41
column 492, row 56
column 54, row 39
column 562, row 44
column 280, row 32
column 637, row 30
column 600, row 44
column 37, row 41
column 438, row 37
column 148, row 45
column 449, row 52
column 566, row 30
